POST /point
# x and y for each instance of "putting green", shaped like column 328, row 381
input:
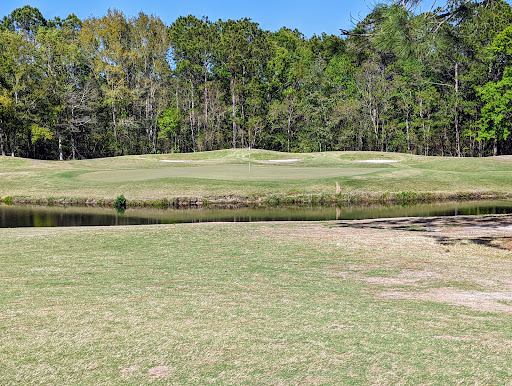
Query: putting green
column 230, row 173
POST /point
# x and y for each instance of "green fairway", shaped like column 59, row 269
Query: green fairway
column 226, row 173
column 368, row 302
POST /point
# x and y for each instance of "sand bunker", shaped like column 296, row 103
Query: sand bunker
column 379, row 161
column 284, row 160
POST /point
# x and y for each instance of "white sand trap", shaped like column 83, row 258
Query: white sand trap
column 379, row 161
column 174, row 160
column 284, row 160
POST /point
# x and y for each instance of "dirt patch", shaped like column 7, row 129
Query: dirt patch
column 477, row 300
column 130, row 369
column 160, row 371
column 405, row 278
column 453, row 338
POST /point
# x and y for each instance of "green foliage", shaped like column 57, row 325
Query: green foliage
column 434, row 83
column 169, row 122
column 6, row 200
column 27, row 19
column 496, row 120
column 40, row 133
column 497, row 112
column 120, row 203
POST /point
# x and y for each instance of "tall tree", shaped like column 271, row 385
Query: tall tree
column 495, row 123
column 193, row 43
column 107, row 44
column 150, row 47
column 26, row 19
column 241, row 51
column 20, row 79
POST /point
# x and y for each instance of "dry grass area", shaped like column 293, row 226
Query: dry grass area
column 472, row 266
column 402, row 301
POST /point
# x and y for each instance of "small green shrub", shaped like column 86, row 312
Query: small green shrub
column 120, row 203
column 273, row 200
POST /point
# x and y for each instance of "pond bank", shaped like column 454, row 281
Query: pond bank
column 233, row 201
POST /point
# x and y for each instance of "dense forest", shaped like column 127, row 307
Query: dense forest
column 435, row 83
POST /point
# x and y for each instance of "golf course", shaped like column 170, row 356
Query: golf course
column 225, row 173
column 379, row 301
column 256, row 193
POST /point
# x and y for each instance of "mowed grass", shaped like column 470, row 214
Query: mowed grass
column 226, row 172
column 261, row 303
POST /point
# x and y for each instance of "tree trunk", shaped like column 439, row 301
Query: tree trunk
column 407, row 130
column 288, row 129
column 205, row 99
column 61, row 157
column 383, row 137
column 495, row 148
column 73, row 146
column 114, row 118
column 425, row 136
column 193, row 116
column 242, row 111
column 457, row 128
column 155, row 139
column 114, row 121
column 375, row 123
column 2, row 143
column 233, row 105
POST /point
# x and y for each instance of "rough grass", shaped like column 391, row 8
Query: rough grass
column 225, row 173
column 365, row 302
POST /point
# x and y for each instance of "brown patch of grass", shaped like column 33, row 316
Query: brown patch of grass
column 471, row 273
column 130, row 369
column 160, row 371
column 404, row 278
column 477, row 300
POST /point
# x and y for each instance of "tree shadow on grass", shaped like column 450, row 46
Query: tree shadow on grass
column 429, row 225
column 504, row 243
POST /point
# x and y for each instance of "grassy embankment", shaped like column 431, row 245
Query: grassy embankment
column 365, row 302
column 223, row 176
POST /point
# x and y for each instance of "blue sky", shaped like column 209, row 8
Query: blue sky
column 309, row 17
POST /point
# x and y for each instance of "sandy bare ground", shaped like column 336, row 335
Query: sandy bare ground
column 463, row 261
column 378, row 161
column 475, row 261
column 279, row 161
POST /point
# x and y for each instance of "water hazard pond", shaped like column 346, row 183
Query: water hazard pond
column 38, row 216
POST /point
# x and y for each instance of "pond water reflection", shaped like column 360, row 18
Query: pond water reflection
column 40, row 216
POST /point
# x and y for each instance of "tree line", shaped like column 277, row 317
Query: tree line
column 431, row 83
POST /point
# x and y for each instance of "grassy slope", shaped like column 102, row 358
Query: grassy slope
column 254, row 304
column 222, row 173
